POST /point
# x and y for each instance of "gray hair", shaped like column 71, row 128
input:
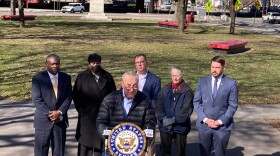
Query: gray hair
column 178, row 68
column 129, row 73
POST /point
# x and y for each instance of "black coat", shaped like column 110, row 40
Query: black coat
column 111, row 112
column 87, row 96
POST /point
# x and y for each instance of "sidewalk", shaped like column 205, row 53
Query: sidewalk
column 252, row 136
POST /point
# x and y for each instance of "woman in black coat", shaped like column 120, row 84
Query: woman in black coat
column 90, row 88
column 173, row 111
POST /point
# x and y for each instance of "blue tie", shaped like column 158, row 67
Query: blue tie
column 214, row 94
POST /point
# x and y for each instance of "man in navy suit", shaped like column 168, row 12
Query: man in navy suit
column 215, row 101
column 52, row 96
column 149, row 84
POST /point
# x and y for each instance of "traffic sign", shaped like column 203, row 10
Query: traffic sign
column 258, row 4
column 237, row 4
column 208, row 6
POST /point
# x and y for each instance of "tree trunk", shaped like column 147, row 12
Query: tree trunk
column 232, row 16
column 181, row 14
column 13, row 7
column 21, row 13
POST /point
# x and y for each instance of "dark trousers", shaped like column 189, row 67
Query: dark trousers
column 180, row 141
column 43, row 138
column 88, row 151
column 208, row 137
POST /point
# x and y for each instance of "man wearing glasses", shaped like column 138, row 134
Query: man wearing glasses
column 126, row 105
column 149, row 83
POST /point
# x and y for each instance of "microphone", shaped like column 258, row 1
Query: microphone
column 106, row 133
column 149, row 134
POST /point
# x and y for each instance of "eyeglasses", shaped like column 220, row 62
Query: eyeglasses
column 128, row 87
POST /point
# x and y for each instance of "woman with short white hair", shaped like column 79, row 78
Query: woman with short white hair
column 173, row 111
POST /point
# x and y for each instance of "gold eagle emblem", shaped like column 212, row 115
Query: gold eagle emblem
column 126, row 144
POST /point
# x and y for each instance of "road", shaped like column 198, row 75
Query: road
column 252, row 24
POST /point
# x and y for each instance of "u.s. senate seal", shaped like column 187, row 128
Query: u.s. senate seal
column 127, row 139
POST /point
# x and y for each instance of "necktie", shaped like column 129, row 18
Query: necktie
column 54, row 84
column 215, row 88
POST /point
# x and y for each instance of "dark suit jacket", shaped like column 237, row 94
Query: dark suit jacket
column 87, row 96
column 44, row 99
column 152, row 87
column 222, row 108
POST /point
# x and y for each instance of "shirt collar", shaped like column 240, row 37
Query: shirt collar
column 51, row 75
column 142, row 76
column 219, row 78
column 125, row 97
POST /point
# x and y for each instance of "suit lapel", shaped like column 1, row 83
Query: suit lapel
column 147, row 82
column 220, row 87
column 49, row 83
column 209, row 84
column 60, row 84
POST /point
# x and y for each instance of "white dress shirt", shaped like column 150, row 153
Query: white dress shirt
column 142, row 80
column 51, row 76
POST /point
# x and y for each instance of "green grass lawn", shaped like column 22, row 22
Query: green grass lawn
column 23, row 53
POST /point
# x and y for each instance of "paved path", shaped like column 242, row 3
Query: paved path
column 252, row 136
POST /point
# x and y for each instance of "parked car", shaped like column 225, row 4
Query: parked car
column 73, row 7
column 165, row 6
column 271, row 17
column 189, row 4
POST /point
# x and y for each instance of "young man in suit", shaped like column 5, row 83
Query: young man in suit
column 52, row 96
column 215, row 101
column 90, row 88
column 149, row 84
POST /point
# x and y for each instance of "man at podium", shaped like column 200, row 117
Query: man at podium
column 126, row 105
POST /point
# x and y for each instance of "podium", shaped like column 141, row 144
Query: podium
column 127, row 139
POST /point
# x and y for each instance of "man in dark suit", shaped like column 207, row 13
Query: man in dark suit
column 90, row 88
column 52, row 96
column 215, row 101
column 148, row 83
